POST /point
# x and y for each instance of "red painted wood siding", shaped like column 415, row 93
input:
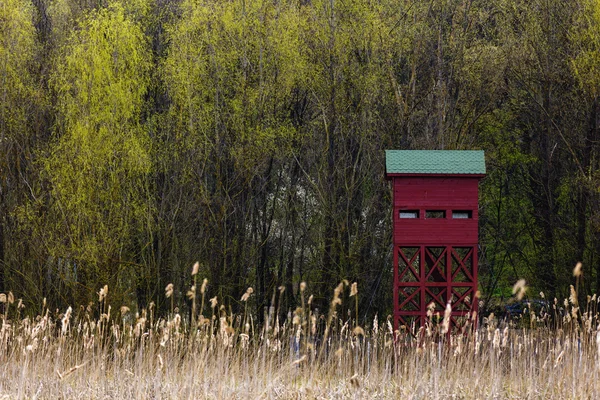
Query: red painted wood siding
column 436, row 193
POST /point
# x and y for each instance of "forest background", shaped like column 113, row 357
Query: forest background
column 137, row 137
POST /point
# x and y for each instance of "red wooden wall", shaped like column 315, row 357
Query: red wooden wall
column 435, row 259
column 436, row 194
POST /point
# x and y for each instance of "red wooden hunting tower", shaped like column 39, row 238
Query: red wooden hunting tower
column 435, row 205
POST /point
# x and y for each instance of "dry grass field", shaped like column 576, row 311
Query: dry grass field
column 118, row 355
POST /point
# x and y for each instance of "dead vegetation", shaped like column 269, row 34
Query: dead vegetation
column 552, row 354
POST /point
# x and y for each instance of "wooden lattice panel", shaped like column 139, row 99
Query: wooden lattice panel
column 433, row 274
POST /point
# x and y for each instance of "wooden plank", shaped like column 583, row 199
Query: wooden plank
column 436, row 231
column 436, row 192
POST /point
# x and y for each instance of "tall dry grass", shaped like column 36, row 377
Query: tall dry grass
column 74, row 354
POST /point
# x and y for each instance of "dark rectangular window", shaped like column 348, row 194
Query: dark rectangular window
column 409, row 214
column 463, row 214
column 435, row 214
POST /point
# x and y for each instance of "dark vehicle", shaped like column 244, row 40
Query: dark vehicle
column 524, row 307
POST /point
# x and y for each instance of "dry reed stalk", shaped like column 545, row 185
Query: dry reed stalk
column 354, row 293
column 141, row 359
column 334, row 303
column 63, row 375
column 519, row 289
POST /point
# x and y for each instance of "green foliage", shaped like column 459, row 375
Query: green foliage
column 586, row 38
column 230, row 70
column 143, row 136
column 20, row 101
column 508, row 230
column 99, row 161
column 17, row 50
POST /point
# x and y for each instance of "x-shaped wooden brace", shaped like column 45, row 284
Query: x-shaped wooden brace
column 461, row 264
column 408, row 264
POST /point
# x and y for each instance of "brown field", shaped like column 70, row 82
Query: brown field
column 121, row 356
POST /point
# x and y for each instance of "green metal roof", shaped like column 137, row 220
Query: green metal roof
column 435, row 162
